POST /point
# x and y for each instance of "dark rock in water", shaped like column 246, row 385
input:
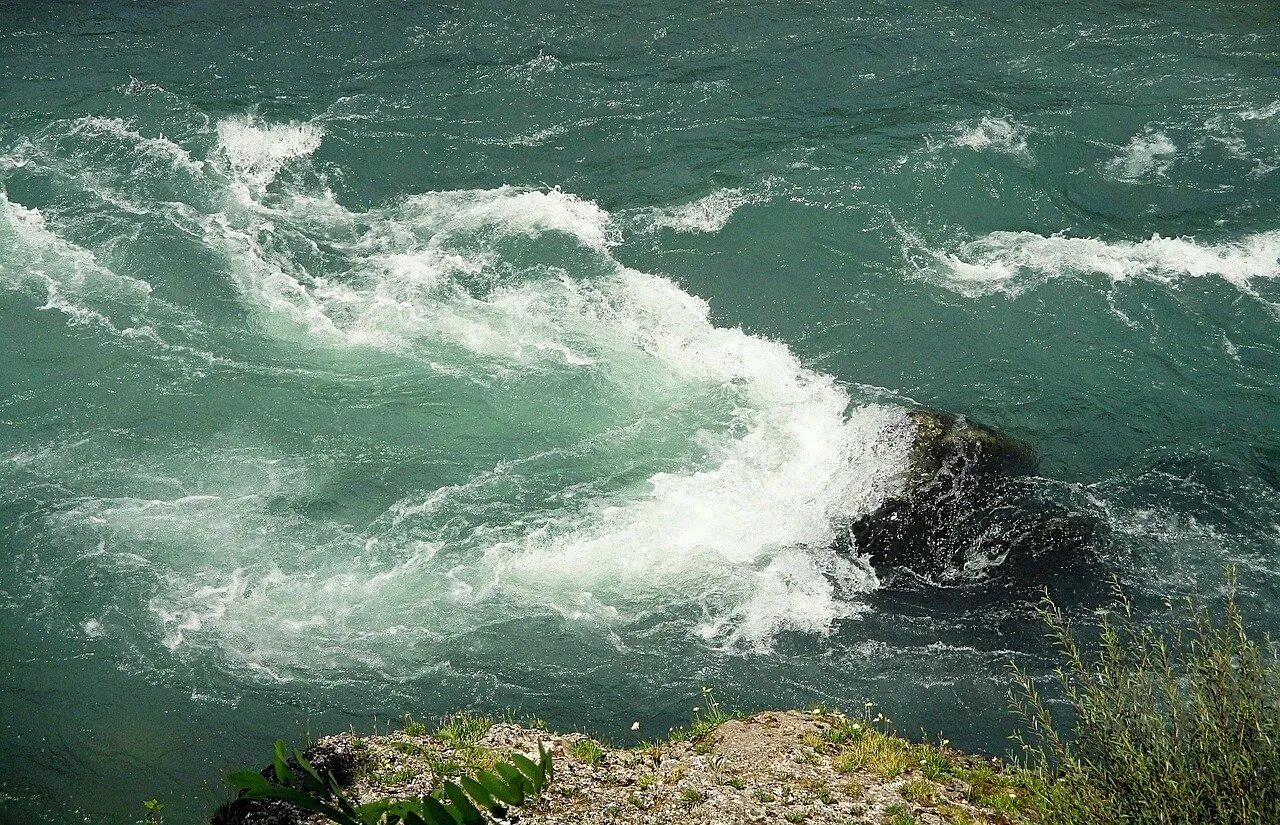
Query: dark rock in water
column 969, row 503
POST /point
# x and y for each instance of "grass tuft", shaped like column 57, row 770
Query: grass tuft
column 586, row 750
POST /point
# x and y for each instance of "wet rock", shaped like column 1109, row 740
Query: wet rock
column 970, row 502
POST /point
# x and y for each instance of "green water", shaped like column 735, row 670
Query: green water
column 359, row 358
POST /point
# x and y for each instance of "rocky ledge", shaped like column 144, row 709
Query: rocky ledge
column 776, row 766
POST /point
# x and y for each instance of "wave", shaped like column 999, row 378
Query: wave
column 256, row 151
column 693, row 477
column 70, row 279
column 1013, row 262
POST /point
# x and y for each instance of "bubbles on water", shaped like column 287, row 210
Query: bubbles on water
column 710, row 213
column 1147, row 154
column 257, row 150
column 1013, row 262
column 720, row 523
column 994, row 134
column 72, row 281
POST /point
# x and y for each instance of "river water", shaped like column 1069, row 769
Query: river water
column 368, row 358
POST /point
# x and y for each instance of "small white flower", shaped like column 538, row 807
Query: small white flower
column 696, row 709
column 635, row 726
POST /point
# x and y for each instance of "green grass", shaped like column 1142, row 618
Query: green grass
column 464, row 728
column 898, row 815
column 934, row 764
column 395, row 777
column 706, row 718
column 920, row 791
column 1175, row 725
column 873, row 751
column 691, row 796
column 586, row 750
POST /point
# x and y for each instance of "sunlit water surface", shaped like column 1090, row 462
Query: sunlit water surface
column 359, row 359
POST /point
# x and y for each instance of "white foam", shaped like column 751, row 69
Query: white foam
column 709, row 213
column 159, row 147
column 256, row 151
column 517, row 288
column 1239, row 132
column 1262, row 112
column 514, row 284
column 70, row 278
column 1012, row 262
column 993, row 134
column 1149, row 153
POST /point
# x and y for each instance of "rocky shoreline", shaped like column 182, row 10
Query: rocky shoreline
column 814, row 766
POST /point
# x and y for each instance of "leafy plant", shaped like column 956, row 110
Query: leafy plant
column 509, row 784
column 1174, row 728
column 155, row 811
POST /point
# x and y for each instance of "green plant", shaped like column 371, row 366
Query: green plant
column 463, row 728
column 413, row 727
column 898, row 815
column 509, row 784
column 155, row 811
column 706, row 718
column 918, row 790
column 1174, row 727
column 586, row 750
column 934, row 764
column 874, row 751
column 690, row 796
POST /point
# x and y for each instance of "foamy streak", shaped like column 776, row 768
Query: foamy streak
column 744, row 537
column 707, row 214
column 72, row 281
column 159, row 147
column 1012, row 262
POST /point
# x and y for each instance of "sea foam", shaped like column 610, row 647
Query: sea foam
column 710, row 213
column 1149, row 153
column 1012, row 262
column 34, row 259
column 257, row 150
column 993, row 134
column 517, row 289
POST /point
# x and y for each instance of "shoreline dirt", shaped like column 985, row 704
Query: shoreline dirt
column 774, row 766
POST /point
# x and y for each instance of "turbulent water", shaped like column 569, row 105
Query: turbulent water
column 359, row 359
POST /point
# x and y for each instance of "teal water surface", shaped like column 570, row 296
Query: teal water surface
column 359, row 359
